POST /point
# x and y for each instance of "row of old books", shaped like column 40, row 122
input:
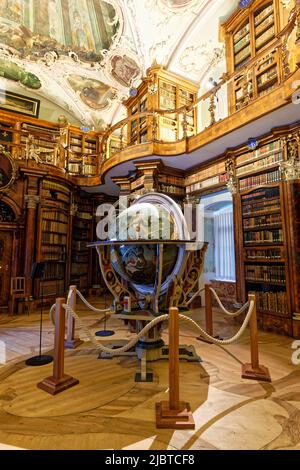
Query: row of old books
column 264, row 236
column 260, row 273
column 54, row 238
column 269, row 254
column 272, row 301
column 256, row 222
column 260, row 164
column 259, row 180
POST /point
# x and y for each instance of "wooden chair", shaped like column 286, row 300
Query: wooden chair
column 18, row 291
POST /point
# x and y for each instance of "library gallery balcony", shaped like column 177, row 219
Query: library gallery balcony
column 247, row 102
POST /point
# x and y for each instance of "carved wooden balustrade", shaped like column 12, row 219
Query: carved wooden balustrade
column 212, row 109
column 212, row 106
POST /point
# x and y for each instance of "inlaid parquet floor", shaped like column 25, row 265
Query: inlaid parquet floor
column 108, row 410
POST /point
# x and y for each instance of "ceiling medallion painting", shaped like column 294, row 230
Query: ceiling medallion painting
column 84, row 27
column 124, row 69
column 95, row 94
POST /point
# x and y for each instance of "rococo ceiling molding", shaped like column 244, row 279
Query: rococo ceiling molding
column 195, row 58
column 176, row 6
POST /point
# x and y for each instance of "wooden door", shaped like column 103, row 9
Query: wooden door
column 5, row 266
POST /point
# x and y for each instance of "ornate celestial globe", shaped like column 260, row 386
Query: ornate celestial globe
column 152, row 217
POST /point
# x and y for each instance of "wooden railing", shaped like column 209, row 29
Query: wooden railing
column 211, row 109
column 208, row 106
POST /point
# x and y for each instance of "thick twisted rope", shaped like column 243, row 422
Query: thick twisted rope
column 122, row 349
column 230, row 314
column 194, row 296
column 51, row 313
column 154, row 322
column 91, row 307
column 216, row 341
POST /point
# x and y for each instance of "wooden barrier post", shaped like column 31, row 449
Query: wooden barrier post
column 71, row 342
column 59, row 381
column 254, row 370
column 208, row 314
column 208, row 310
column 174, row 414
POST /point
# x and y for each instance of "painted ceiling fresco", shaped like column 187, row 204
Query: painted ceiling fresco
column 35, row 26
column 85, row 55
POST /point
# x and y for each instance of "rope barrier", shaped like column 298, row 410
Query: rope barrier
column 122, row 349
column 91, row 307
column 52, row 313
column 221, row 341
column 154, row 322
column 194, row 296
column 230, row 314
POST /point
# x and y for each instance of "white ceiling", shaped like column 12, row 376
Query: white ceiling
column 87, row 56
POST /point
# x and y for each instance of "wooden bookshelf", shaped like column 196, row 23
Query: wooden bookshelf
column 250, row 37
column 170, row 92
column 82, row 233
column 264, row 260
column 153, row 176
column 44, row 140
column 82, row 154
column 208, row 178
column 52, row 240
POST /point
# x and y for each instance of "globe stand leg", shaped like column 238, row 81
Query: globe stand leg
column 143, row 375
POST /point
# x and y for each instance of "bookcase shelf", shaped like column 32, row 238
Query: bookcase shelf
column 53, row 237
column 83, row 154
column 247, row 36
column 209, row 178
column 172, row 92
column 80, row 274
column 264, row 263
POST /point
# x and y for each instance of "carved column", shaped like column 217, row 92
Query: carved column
column 297, row 6
column 32, row 202
column 290, row 174
column 212, row 108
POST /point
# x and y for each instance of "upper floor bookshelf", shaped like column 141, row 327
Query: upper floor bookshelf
column 250, row 35
column 161, row 90
column 248, row 31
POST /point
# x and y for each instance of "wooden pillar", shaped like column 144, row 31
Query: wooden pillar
column 59, row 381
column 32, row 201
column 71, row 342
column 208, row 315
column 254, row 370
column 174, row 414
